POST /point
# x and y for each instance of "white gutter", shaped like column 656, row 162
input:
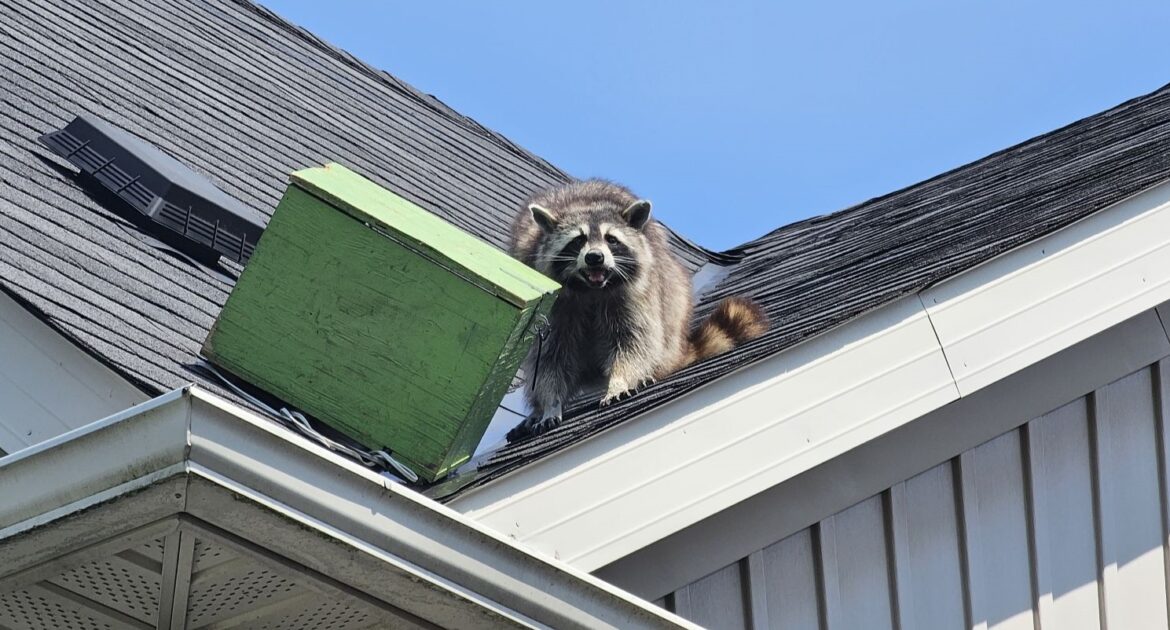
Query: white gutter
column 192, row 456
column 617, row 492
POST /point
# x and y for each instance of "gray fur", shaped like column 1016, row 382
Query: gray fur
column 628, row 330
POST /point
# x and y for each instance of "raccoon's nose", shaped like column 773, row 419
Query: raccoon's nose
column 594, row 258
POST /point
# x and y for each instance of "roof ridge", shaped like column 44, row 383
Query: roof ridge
column 428, row 100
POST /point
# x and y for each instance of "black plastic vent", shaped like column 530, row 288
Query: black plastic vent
column 212, row 223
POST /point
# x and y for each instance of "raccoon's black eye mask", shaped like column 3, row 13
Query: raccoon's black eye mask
column 567, row 257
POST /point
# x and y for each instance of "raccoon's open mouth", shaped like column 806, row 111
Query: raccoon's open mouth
column 596, row 278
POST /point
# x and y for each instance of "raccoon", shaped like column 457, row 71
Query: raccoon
column 623, row 316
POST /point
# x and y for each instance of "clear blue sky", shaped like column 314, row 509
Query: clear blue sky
column 738, row 117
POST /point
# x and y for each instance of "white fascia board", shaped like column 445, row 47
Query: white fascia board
column 725, row 442
column 225, row 466
column 645, row 479
column 1036, row 300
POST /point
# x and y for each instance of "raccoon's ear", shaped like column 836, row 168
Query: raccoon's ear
column 637, row 214
column 543, row 217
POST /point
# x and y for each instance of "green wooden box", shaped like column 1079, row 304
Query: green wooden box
column 380, row 319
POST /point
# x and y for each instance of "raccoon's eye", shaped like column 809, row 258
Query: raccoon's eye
column 579, row 241
column 611, row 239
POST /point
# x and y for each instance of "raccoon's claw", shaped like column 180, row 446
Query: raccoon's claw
column 616, row 396
column 546, row 424
column 532, row 426
column 618, row 392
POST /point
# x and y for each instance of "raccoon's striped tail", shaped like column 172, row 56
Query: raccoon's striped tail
column 734, row 321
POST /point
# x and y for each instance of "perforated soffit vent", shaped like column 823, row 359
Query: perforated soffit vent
column 189, row 576
column 173, row 196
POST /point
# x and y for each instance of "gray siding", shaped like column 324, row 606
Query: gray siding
column 47, row 385
column 1060, row 523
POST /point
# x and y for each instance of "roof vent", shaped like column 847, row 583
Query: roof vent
column 170, row 194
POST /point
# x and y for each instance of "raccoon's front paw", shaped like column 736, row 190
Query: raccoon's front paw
column 620, row 390
column 533, row 425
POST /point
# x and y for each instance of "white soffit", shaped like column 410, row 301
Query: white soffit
column 135, row 581
column 188, row 512
column 632, row 485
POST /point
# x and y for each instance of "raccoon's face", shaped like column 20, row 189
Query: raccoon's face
column 595, row 249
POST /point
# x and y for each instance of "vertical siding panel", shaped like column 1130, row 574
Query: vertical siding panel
column 1133, row 564
column 828, row 584
column 995, row 524
column 862, row 578
column 1102, row 501
column 718, row 600
column 680, row 602
column 1037, row 536
column 757, row 591
column 930, row 562
column 1069, row 514
column 1062, row 518
column 1024, row 453
column 899, row 544
column 970, row 542
column 790, row 574
column 1161, row 400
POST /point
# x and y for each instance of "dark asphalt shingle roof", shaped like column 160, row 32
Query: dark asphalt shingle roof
column 813, row 275
column 238, row 95
column 245, row 98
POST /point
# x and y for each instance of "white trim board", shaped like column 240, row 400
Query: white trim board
column 47, row 385
column 1036, row 300
column 788, row 507
column 192, row 455
column 646, row 479
column 727, row 441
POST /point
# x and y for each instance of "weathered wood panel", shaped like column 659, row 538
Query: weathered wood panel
column 1061, row 523
column 380, row 319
